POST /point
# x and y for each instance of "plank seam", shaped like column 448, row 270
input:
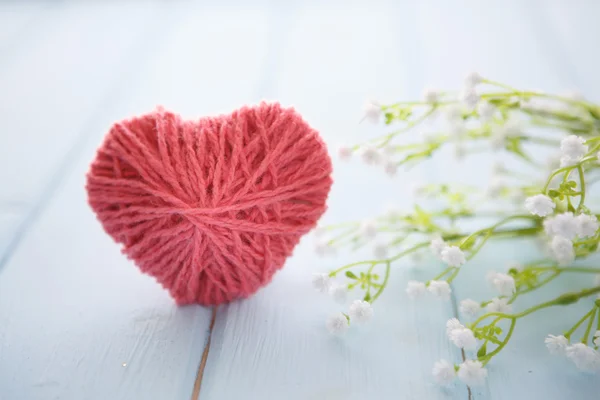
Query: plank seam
column 204, row 359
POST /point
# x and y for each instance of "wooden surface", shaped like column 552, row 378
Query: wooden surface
column 78, row 321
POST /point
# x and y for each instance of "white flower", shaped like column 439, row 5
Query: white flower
column 370, row 155
column 463, row 338
column 556, row 344
column 499, row 306
column 597, row 338
column 572, row 149
column 453, row 113
column 440, row 289
column 587, row 225
column 390, row 167
column 321, row 282
column 469, row 308
column 344, row 152
column 380, row 251
column 324, row 248
column 457, row 129
column 372, row 111
column 562, row 250
column 584, row 357
column 540, row 205
column 437, row 245
column 504, row 284
column 453, row 256
column 486, row 111
column 431, row 96
column 337, row 324
column 490, row 276
column 415, row 289
column 339, row 293
column 453, row 324
column 473, row 79
column 368, row 229
column 360, row 311
column 443, row 372
column 469, row 97
column 565, row 225
column 472, row 373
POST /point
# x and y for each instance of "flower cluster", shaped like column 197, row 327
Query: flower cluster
column 555, row 208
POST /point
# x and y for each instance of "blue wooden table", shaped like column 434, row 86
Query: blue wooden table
column 78, row 321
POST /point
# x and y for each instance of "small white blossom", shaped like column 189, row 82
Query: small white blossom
column 324, row 248
column 339, row 293
column 344, row 152
column 415, row 289
column 463, row 338
column 370, row 155
column 556, row 344
column 469, row 97
column 504, row 284
column 490, row 276
column 457, row 129
column 440, row 289
column 540, row 205
column 486, row 111
column 368, row 229
column 587, row 225
column 583, row 356
column 437, row 245
column 565, row 225
column 597, row 338
column 321, row 282
column 337, row 324
column 473, row 79
column 453, row 324
column 390, row 167
column 562, row 250
column 499, row 305
column 431, row 96
column 360, row 311
column 469, row 308
column 372, row 111
column 453, row 256
column 572, row 149
column 472, row 373
column 443, row 372
column 380, row 251
column 453, row 113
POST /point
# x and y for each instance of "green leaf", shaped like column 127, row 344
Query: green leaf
column 389, row 118
column 466, row 245
column 351, row 275
column 482, row 350
column 553, row 193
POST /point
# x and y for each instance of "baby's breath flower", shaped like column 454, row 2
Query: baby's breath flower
column 372, row 111
column 380, row 251
column 556, row 344
column 499, row 305
column 453, row 113
column 453, row 256
column 431, row 96
column 597, row 338
column 486, row 111
column 504, row 284
column 337, row 324
column 587, row 225
column 324, row 248
column 453, row 324
column 415, row 289
column 321, row 282
column 437, row 245
column 463, row 338
column 562, row 250
column 470, row 98
column 339, row 293
column 344, row 152
column 390, row 167
column 469, row 308
column 371, row 155
column 440, row 289
column 472, row 373
column 360, row 311
column 473, row 79
column 443, row 372
column 540, row 205
column 565, row 225
column 368, row 229
column 572, row 149
column 584, row 357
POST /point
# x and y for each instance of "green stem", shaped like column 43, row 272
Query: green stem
column 586, row 334
column 581, row 321
column 384, row 284
column 489, row 356
column 582, row 188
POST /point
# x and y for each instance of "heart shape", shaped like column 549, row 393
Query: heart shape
column 211, row 208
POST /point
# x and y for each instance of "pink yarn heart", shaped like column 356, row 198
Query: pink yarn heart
column 211, row 208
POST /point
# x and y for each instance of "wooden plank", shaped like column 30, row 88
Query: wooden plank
column 77, row 320
column 275, row 345
column 505, row 42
